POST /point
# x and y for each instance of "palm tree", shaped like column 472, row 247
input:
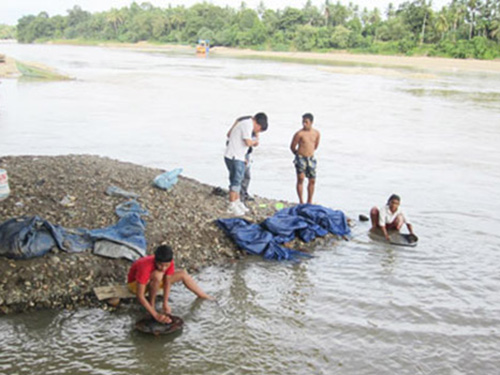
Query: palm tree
column 495, row 29
column 442, row 25
column 115, row 18
column 177, row 18
column 458, row 10
column 426, row 16
column 472, row 7
column 391, row 12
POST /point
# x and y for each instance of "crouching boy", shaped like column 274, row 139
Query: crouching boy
column 158, row 271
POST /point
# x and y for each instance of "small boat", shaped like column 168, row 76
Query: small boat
column 203, row 47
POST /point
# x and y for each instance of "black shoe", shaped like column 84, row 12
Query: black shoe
column 219, row 192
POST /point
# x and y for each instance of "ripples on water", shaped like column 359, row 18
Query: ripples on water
column 352, row 309
column 358, row 307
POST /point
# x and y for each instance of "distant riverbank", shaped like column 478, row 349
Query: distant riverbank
column 334, row 58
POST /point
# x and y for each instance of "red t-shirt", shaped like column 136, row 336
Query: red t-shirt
column 142, row 268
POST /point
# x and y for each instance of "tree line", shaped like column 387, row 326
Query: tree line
column 462, row 29
column 7, row 32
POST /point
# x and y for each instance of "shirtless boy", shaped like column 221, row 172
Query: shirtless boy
column 304, row 143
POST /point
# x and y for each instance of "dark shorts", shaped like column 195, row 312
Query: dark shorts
column 306, row 165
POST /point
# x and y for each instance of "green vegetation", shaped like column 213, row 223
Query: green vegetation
column 7, row 32
column 463, row 29
column 39, row 73
column 485, row 99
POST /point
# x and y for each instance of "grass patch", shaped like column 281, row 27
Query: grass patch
column 39, row 73
column 456, row 95
column 75, row 42
column 305, row 60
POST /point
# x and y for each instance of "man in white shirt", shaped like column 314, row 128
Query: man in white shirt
column 390, row 217
column 239, row 140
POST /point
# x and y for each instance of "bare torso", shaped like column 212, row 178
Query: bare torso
column 305, row 142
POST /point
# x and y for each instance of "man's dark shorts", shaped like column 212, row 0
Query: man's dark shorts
column 306, row 165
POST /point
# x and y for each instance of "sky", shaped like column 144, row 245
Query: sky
column 12, row 10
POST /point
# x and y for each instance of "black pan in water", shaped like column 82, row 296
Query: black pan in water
column 151, row 326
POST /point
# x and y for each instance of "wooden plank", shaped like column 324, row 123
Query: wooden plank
column 115, row 291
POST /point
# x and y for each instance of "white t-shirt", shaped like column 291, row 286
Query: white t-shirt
column 236, row 146
column 387, row 217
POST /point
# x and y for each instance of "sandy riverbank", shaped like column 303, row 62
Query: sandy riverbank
column 335, row 58
column 8, row 68
column 183, row 218
column 332, row 58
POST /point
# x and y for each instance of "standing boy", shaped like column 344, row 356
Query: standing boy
column 158, row 271
column 304, row 143
column 245, row 183
column 241, row 136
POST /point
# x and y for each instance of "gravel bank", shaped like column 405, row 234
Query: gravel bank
column 8, row 68
column 183, row 218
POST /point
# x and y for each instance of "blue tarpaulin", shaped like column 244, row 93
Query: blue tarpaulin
column 132, row 206
column 29, row 237
column 167, row 180
column 306, row 221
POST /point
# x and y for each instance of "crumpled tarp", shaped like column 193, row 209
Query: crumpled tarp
column 306, row 221
column 167, row 180
column 29, row 237
column 132, row 206
column 125, row 239
column 119, row 192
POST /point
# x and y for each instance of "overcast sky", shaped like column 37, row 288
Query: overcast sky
column 12, row 10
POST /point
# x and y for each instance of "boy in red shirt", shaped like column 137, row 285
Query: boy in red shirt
column 155, row 272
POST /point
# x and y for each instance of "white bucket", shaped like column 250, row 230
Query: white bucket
column 4, row 185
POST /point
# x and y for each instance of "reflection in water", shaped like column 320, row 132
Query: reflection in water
column 389, row 259
column 357, row 307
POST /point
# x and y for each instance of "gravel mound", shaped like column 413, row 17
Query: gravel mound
column 70, row 191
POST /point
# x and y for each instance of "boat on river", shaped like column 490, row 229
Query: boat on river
column 203, row 47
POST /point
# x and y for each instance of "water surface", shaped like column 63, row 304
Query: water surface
column 358, row 307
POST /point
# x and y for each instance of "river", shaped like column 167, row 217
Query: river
column 357, row 307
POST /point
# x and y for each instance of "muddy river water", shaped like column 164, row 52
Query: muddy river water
column 357, row 307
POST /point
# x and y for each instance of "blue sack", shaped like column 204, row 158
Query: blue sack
column 167, row 180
